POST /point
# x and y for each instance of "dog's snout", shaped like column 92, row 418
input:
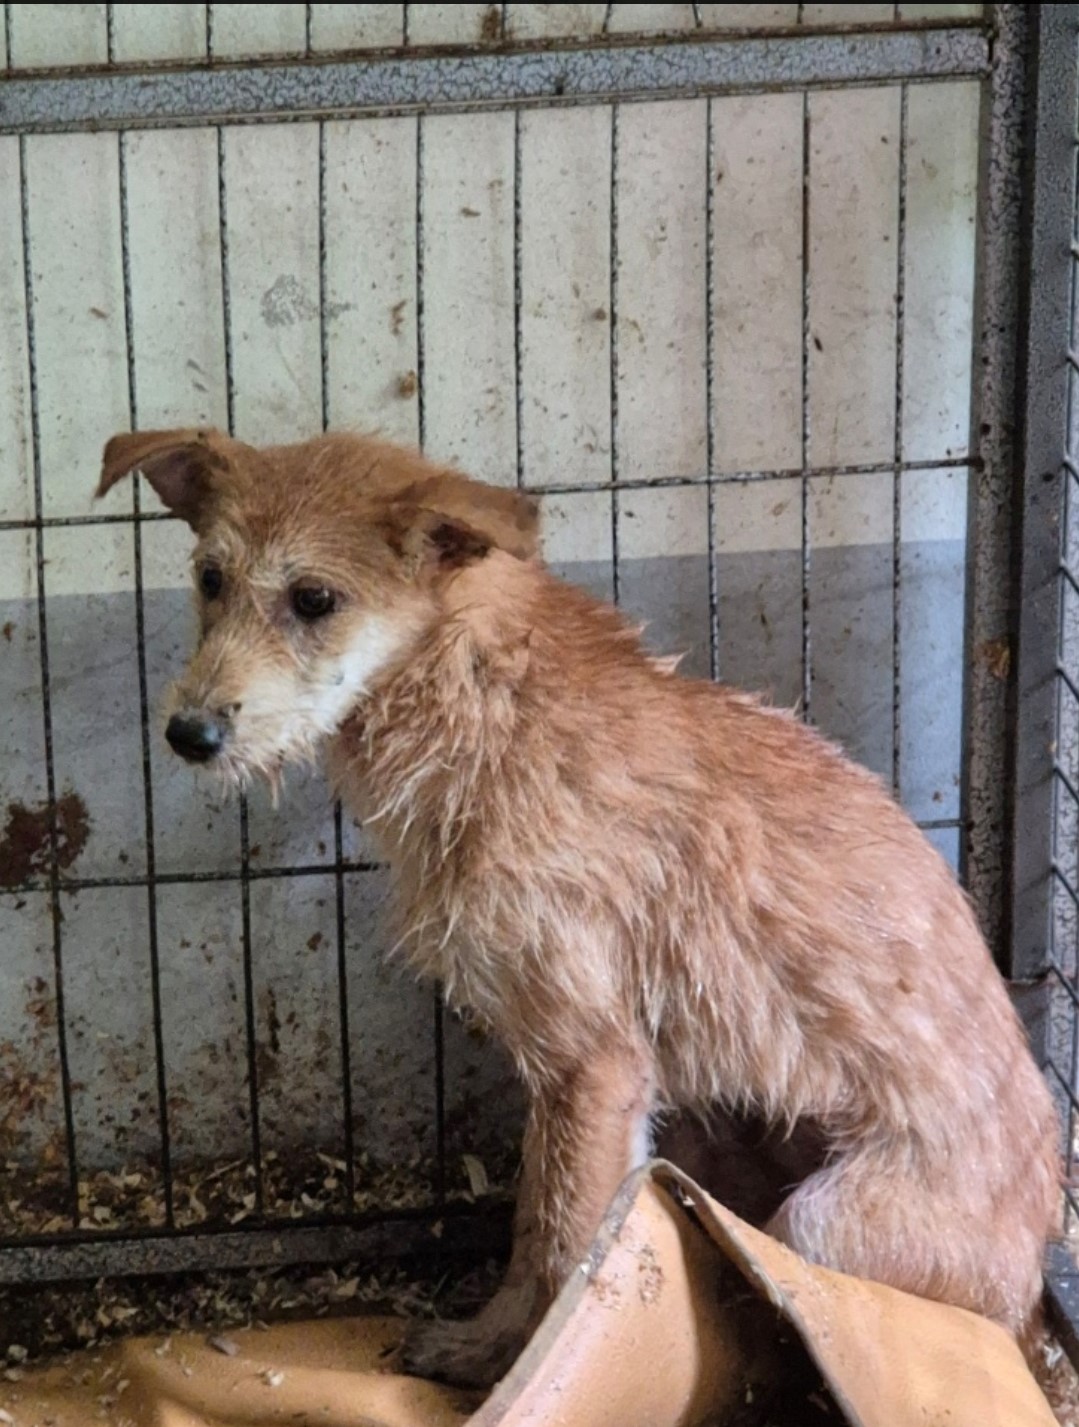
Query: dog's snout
column 196, row 737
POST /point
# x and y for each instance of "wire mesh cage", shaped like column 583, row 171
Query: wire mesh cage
column 1044, row 871
column 734, row 289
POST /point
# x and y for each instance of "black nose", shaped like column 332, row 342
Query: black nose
column 194, row 738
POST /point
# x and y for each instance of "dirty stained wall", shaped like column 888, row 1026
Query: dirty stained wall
column 747, row 288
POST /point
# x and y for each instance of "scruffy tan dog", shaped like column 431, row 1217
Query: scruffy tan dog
column 660, row 894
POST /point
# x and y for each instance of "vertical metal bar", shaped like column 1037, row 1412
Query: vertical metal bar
column 421, row 414
column 607, row 14
column 698, row 20
column 209, row 32
column 984, row 806
column 1062, row 1274
column 421, row 315
column 110, row 34
column 7, row 37
column 710, row 384
column 245, row 841
column 46, row 695
column 1067, row 735
column 1064, row 810
column 1070, row 1148
column 616, row 590
column 807, row 652
column 226, row 290
column 440, row 1096
column 1043, row 393
column 323, row 339
column 144, row 708
column 338, row 819
column 897, row 478
column 517, row 290
column 308, row 17
column 342, row 984
column 406, row 25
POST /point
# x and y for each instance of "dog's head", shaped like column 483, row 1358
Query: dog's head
column 317, row 567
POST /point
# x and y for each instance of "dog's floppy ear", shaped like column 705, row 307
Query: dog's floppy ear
column 452, row 521
column 181, row 466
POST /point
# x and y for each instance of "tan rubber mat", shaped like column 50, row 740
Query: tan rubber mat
column 682, row 1316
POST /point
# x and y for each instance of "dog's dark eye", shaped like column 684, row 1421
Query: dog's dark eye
column 312, row 601
column 210, row 581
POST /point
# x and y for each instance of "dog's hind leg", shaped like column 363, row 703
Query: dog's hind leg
column 876, row 1216
column 587, row 1130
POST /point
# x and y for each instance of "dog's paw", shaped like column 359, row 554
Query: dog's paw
column 464, row 1354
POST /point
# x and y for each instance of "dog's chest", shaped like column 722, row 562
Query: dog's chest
column 475, row 971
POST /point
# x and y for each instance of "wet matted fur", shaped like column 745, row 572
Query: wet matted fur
column 660, row 894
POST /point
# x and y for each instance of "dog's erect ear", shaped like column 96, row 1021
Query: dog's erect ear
column 452, row 521
column 181, row 466
column 450, row 543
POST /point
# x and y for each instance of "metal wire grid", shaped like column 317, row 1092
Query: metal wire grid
column 502, row 31
column 57, row 883
column 1044, row 881
column 471, row 77
column 1062, row 1060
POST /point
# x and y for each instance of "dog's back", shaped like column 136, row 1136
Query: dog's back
column 630, row 848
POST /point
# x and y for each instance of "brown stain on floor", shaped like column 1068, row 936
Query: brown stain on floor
column 25, row 845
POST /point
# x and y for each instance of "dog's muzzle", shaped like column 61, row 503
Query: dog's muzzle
column 196, row 737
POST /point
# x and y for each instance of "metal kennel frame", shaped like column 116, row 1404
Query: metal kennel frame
column 1012, row 828
column 1043, row 885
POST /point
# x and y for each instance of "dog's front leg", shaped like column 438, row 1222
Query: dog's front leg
column 587, row 1129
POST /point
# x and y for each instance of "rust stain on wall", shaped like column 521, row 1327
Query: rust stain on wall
column 24, row 845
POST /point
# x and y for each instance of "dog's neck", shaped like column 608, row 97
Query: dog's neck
column 449, row 760
column 411, row 750
column 419, row 761
column 508, row 637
